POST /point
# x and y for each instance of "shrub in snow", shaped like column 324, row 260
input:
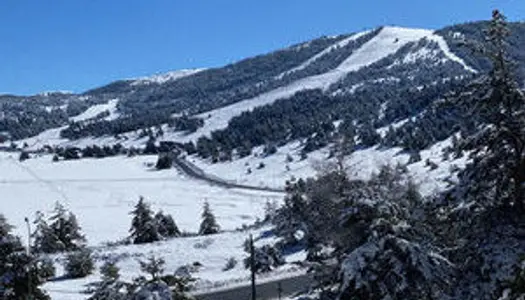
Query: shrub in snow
column 156, row 290
column 109, row 270
column 203, row 244
column 414, row 157
column 150, row 148
column 209, row 224
column 153, row 266
column 111, row 287
column 79, row 263
column 166, row 225
column 270, row 210
column 46, row 268
column 179, row 283
column 267, row 258
column 23, row 156
column 230, row 264
column 431, row 164
column 164, row 161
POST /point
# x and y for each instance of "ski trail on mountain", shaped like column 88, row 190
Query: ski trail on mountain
column 324, row 52
column 387, row 41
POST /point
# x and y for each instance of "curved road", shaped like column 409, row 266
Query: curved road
column 193, row 171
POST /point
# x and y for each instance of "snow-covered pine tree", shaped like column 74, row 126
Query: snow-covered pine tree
column 19, row 278
column 486, row 218
column 111, row 287
column 166, row 225
column 496, row 174
column 144, row 228
column 43, row 237
column 80, row 263
column 154, row 266
column 290, row 217
column 209, row 224
column 65, row 228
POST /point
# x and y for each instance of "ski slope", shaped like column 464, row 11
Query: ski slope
column 387, row 42
column 95, row 110
column 324, row 52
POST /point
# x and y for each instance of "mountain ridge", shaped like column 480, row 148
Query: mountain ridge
column 350, row 65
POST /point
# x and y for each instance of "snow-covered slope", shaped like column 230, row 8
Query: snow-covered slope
column 387, row 42
column 361, row 164
column 333, row 47
column 95, row 110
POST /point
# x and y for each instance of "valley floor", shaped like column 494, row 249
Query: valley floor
column 102, row 193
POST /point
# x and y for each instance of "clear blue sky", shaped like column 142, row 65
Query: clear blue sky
column 79, row 44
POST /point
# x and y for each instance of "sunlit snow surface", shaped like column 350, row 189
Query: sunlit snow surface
column 95, row 110
column 103, row 192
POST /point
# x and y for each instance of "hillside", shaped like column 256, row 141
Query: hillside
column 365, row 81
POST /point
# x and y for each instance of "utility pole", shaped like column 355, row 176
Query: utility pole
column 252, row 267
column 29, row 296
column 279, row 289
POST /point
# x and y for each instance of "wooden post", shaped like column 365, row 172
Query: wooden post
column 252, row 267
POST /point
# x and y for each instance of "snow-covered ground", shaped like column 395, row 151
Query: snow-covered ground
column 324, row 52
column 212, row 252
column 95, row 110
column 102, row 193
column 361, row 164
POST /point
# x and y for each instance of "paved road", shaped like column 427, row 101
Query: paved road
column 265, row 291
column 197, row 173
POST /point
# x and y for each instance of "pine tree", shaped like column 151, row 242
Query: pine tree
column 110, row 270
column 166, row 225
column 111, row 287
column 143, row 225
column 19, row 278
column 209, row 224
column 153, row 266
column 80, row 263
column 44, row 239
column 65, row 228
column 496, row 175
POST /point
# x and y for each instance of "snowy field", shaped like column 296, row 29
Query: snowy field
column 102, row 193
